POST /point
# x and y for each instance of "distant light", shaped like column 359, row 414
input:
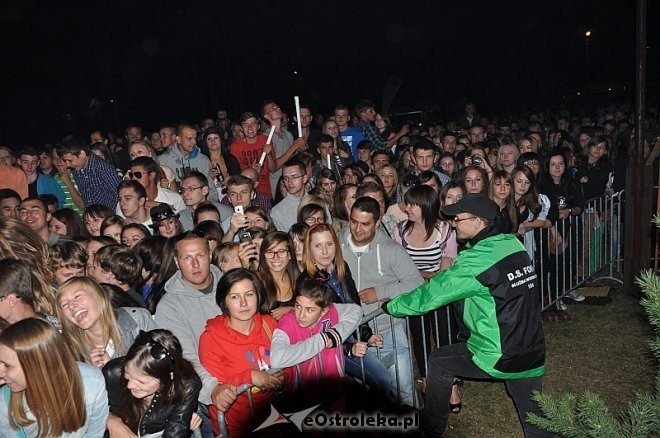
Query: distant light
column 295, row 72
column 112, row 101
column 587, row 33
column 609, row 89
column 578, row 93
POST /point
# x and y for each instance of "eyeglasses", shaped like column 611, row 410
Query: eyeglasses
column 291, row 178
column 311, row 220
column 531, row 163
column 463, row 219
column 158, row 351
column 281, row 253
column 136, row 175
column 190, row 189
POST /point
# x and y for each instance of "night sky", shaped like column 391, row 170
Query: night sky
column 156, row 62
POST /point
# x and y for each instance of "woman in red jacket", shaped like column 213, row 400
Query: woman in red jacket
column 235, row 348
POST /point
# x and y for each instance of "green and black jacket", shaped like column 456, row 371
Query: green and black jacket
column 496, row 298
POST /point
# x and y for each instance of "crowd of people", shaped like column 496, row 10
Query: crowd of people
column 153, row 274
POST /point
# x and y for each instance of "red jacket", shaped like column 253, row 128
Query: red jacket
column 231, row 356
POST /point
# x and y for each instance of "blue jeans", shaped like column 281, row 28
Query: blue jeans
column 403, row 368
column 375, row 375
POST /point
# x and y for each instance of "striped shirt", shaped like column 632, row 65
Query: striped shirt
column 429, row 258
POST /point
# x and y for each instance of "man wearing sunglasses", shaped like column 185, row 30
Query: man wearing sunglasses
column 495, row 292
column 145, row 171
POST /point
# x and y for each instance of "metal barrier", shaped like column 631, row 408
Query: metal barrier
column 592, row 249
column 580, row 248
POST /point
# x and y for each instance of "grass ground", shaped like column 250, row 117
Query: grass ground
column 604, row 349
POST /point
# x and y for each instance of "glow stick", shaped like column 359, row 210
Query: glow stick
column 270, row 135
column 329, row 162
column 297, row 101
column 261, row 160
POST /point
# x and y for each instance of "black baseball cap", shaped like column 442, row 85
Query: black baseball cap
column 476, row 204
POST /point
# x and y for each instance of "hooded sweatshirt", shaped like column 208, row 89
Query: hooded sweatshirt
column 184, row 311
column 293, row 345
column 385, row 266
column 181, row 166
column 231, row 356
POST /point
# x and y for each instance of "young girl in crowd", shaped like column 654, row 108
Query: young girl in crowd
column 310, row 338
column 132, row 234
column 236, row 349
column 323, row 260
column 278, row 269
column 344, row 199
column 95, row 331
column 451, row 193
column 153, row 389
column 47, row 393
column 474, row 180
column 500, row 191
column 531, row 208
column 93, row 218
column 67, row 222
column 257, row 217
column 297, row 233
column 431, row 244
column 112, row 226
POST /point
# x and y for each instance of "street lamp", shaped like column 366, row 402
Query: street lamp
column 587, row 35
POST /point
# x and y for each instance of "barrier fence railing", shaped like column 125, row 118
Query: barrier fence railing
column 574, row 251
column 578, row 250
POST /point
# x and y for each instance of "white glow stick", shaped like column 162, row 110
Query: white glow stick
column 270, row 135
column 261, row 160
column 297, row 101
column 329, row 162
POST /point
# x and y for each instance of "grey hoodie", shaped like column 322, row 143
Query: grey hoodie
column 184, row 311
column 181, row 166
column 385, row 266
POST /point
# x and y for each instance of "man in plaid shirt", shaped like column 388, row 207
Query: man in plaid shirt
column 96, row 178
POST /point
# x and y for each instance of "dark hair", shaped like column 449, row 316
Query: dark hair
column 371, row 187
column 74, row 223
column 308, row 210
column 148, row 163
column 72, row 144
column 223, row 143
column 16, row 278
column 482, row 172
column 428, row 175
column 367, row 204
column 110, row 221
column 48, row 199
column 294, row 162
column 142, row 228
column 316, row 290
column 230, row 278
column 121, row 261
column 9, row 194
column 132, row 184
column 108, row 155
column 247, row 115
column 424, row 144
column 259, row 211
column 117, row 297
column 340, row 199
column 165, row 271
column 292, row 270
column 298, row 230
column 447, row 187
column 97, row 211
column 151, row 251
column 210, row 229
column 172, row 370
column 545, row 177
column 205, row 207
column 202, row 179
column 531, row 198
column 355, row 169
column 427, row 199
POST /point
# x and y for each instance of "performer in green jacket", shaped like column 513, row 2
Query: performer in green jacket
column 496, row 297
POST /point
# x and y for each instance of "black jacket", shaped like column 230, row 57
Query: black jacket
column 173, row 420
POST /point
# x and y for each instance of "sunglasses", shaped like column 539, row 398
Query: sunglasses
column 136, row 175
column 158, row 351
